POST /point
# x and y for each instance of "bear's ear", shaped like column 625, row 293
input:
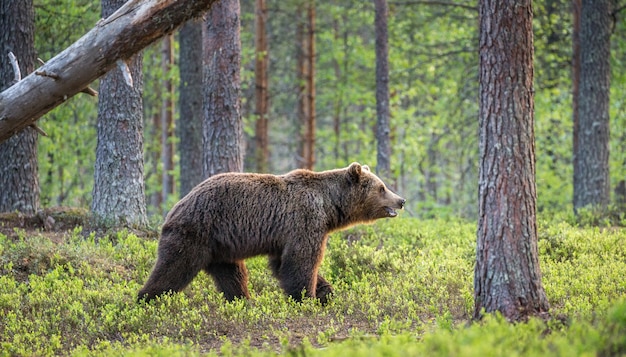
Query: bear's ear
column 354, row 171
column 366, row 168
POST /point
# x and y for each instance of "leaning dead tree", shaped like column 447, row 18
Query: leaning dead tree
column 113, row 40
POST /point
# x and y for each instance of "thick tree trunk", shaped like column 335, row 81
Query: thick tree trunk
column 507, row 276
column 592, row 75
column 383, row 157
column 118, row 193
column 261, row 94
column 19, row 179
column 189, row 127
column 134, row 26
column 223, row 127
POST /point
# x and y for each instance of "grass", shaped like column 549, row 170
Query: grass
column 402, row 287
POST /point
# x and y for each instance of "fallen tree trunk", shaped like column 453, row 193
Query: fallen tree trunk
column 113, row 40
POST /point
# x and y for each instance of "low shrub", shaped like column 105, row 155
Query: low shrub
column 402, row 287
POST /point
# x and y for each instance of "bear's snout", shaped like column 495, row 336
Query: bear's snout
column 397, row 204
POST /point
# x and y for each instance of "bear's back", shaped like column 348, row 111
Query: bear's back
column 248, row 213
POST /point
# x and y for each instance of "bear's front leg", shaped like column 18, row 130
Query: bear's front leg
column 298, row 271
column 323, row 289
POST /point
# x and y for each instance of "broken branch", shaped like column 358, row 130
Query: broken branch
column 48, row 74
column 38, row 129
column 16, row 68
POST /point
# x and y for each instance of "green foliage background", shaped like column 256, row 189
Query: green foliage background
column 402, row 287
column 433, row 84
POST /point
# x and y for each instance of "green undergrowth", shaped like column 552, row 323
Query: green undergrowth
column 402, row 287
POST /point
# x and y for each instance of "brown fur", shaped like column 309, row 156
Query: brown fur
column 234, row 216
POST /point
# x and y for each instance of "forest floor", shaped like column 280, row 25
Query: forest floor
column 56, row 221
column 57, row 224
column 402, row 287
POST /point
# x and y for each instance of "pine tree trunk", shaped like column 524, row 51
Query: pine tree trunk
column 261, row 90
column 118, row 193
column 154, row 155
column 307, row 99
column 301, row 76
column 167, row 118
column 591, row 77
column 338, row 101
column 19, row 179
column 223, row 132
column 383, row 157
column 189, row 127
column 507, row 276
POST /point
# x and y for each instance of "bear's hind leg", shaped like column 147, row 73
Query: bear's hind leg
column 170, row 274
column 231, row 279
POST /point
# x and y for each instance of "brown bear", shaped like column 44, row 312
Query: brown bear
column 234, row 216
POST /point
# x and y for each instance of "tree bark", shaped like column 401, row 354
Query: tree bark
column 301, row 76
column 134, row 26
column 19, row 176
column 118, row 193
column 223, row 127
column 189, row 127
column 507, row 276
column 167, row 118
column 592, row 75
column 383, row 156
column 261, row 90
column 307, row 98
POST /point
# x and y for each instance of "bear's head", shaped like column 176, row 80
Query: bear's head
column 371, row 197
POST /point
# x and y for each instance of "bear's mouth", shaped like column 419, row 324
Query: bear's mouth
column 391, row 212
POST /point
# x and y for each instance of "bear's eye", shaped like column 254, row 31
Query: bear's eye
column 382, row 189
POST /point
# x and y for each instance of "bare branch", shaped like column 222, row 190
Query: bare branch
column 135, row 25
column 38, row 129
column 16, row 68
column 48, row 74
column 88, row 90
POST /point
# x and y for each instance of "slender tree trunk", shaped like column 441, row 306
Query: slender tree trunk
column 156, row 143
column 167, row 118
column 19, row 179
column 261, row 90
column 338, row 101
column 189, row 127
column 301, row 76
column 592, row 76
column 383, row 157
column 222, row 132
column 118, row 193
column 507, row 276
column 308, row 74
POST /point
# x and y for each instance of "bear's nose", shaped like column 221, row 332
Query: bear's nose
column 402, row 202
